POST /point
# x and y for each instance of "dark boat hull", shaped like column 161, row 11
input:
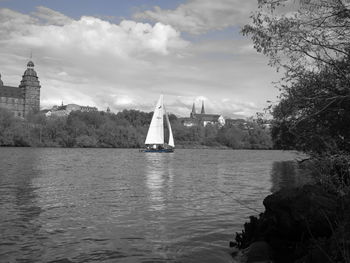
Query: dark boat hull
column 158, row 150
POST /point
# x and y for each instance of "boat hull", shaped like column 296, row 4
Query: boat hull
column 157, row 150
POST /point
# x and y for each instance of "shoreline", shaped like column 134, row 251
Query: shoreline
column 199, row 147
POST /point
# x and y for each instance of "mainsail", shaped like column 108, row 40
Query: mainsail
column 155, row 133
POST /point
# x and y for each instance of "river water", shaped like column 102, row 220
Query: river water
column 121, row 205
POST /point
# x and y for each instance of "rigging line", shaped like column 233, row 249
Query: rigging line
column 235, row 198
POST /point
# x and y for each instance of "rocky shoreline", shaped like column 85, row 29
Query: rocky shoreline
column 307, row 224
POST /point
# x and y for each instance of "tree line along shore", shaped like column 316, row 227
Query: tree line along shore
column 126, row 129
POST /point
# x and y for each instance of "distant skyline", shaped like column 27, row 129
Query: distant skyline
column 124, row 54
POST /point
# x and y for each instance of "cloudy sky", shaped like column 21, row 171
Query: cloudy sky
column 123, row 54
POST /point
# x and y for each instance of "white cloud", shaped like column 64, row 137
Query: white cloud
column 11, row 21
column 51, row 16
column 200, row 16
column 89, row 35
column 127, row 65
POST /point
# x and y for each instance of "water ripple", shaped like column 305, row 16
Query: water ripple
column 118, row 205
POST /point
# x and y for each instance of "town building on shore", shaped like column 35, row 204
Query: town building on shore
column 65, row 110
column 25, row 98
column 202, row 118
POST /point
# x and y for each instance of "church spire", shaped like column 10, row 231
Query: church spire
column 202, row 111
column 193, row 112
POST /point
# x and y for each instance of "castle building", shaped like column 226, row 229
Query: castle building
column 25, row 98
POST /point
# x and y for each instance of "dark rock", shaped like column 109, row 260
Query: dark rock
column 308, row 211
column 258, row 251
column 232, row 244
column 293, row 220
column 316, row 255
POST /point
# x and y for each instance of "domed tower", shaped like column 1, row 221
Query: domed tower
column 30, row 86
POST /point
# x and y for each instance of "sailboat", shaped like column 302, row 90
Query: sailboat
column 155, row 136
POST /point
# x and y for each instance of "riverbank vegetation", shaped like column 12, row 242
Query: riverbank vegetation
column 126, row 129
column 309, row 40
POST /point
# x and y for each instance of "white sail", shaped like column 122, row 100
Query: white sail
column 171, row 138
column 155, row 133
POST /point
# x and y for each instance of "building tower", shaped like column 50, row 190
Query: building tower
column 30, row 86
column 193, row 112
column 202, row 111
column 1, row 83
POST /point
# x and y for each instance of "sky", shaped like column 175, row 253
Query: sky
column 123, row 54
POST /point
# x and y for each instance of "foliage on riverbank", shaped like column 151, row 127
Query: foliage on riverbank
column 126, row 129
column 311, row 44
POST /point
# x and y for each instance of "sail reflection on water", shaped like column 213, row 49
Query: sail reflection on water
column 159, row 179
